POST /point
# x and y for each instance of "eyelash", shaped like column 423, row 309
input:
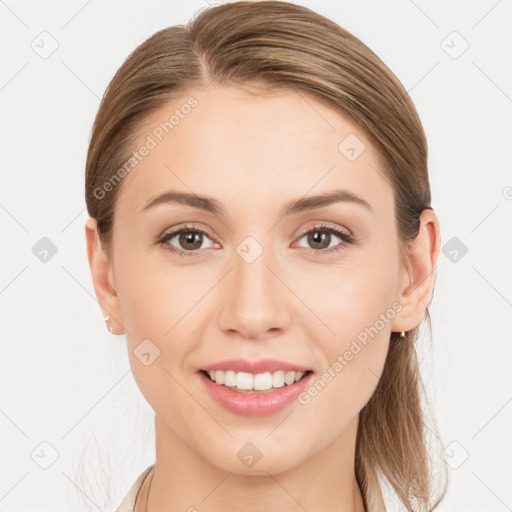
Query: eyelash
column 343, row 235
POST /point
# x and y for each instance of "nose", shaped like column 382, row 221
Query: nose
column 254, row 297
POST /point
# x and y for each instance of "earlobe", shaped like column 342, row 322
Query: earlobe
column 103, row 278
column 418, row 276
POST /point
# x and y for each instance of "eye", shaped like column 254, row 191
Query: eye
column 189, row 237
column 321, row 242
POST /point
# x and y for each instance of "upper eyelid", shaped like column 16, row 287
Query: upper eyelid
column 174, row 231
column 326, row 225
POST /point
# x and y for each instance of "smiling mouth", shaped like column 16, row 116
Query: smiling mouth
column 244, row 382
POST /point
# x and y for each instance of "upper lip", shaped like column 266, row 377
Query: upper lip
column 260, row 366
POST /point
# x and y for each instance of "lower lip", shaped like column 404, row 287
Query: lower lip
column 255, row 404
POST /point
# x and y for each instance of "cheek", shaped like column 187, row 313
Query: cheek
column 158, row 342
column 150, row 306
column 352, row 338
column 155, row 294
column 348, row 299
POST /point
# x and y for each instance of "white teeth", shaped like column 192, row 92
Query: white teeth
column 244, row 380
column 289, row 378
column 278, row 379
column 257, row 382
column 230, row 378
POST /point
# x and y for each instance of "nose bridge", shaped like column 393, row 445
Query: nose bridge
column 252, row 276
column 253, row 302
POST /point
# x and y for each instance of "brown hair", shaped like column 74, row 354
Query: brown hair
column 279, row 45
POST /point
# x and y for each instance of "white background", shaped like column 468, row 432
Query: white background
column 66, row 381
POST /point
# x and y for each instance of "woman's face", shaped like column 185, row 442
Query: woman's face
column 261, row 282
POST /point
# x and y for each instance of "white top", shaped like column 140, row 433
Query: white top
column 128, row 502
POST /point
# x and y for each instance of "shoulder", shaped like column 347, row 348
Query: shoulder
column 129, row 500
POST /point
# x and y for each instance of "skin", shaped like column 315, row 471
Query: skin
column 254, row 153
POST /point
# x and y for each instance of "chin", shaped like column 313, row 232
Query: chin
column 249, row 460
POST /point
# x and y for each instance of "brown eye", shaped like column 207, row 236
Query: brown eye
column 189, row 240
column 319, row 239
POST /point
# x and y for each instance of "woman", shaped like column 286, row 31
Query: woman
column 261, row 230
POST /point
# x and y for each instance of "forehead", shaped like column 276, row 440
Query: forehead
column 249, row 149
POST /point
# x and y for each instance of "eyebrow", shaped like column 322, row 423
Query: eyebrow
column 214, row 206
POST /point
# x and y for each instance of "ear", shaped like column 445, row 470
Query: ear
column 103, row 277
column 418, row 274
